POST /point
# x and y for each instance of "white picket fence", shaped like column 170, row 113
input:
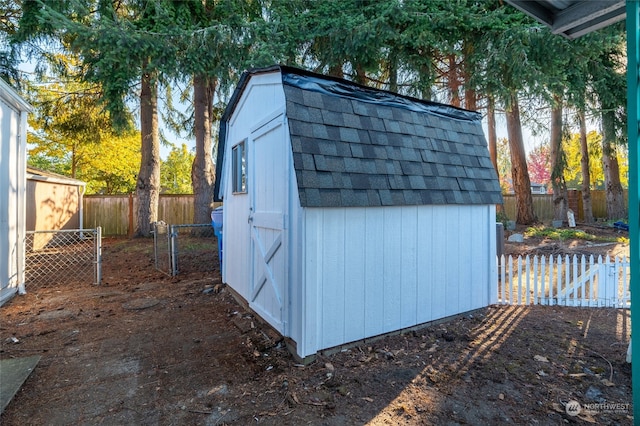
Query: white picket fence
column 564, row 280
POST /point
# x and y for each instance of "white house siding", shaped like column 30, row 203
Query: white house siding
column 13, row 124
column 374, row 270
column 262, row 98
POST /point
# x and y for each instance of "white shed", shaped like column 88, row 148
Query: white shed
column 13, row 162
column 351, row 212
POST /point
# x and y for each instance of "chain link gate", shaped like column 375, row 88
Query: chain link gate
column 162, row 247
column 184, row 248
column 65, row 256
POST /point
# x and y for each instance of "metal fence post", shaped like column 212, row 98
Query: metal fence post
column 98, row 246
column 173, row 257
column 154, row 230
column 162, row 247
column 183, row 242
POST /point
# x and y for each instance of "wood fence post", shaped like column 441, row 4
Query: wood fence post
column 130, row 230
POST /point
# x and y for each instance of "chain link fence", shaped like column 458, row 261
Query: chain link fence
column 181, row 249
column 72, row 256
column 162, row 247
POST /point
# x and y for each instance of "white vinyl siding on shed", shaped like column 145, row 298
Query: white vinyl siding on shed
column 261, row 99
column 349, row 228
column 370, row 271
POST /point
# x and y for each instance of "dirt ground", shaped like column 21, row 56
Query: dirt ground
column 550, row 247
column 147, row 349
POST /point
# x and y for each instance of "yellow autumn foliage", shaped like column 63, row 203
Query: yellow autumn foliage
column 573, row 170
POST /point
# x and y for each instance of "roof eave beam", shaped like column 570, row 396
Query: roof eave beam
column 587, row 28
column 587, row 16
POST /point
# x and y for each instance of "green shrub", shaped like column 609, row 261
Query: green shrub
column 569, row 234
column 502, row 218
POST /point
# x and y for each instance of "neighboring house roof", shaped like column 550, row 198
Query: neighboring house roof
column 46, row 176
column 358, row 146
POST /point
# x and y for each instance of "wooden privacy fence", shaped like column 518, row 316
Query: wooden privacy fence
column 543, row 204
column 117, row 214
column 564, row 280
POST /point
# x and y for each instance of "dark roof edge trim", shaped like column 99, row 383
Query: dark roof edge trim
column 311, row 81
column 328, row 85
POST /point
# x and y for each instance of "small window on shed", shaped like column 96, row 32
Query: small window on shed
column 239, row 157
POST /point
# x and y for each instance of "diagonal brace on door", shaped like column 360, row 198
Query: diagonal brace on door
column 267, row 273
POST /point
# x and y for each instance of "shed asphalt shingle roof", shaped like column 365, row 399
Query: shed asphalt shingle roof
column 357, row 146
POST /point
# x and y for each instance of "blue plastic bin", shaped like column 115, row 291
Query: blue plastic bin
column 621, row 226
column 216, row 222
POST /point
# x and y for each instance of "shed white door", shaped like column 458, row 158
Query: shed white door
column 269, row 200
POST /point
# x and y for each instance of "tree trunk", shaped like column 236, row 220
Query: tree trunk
column 202, row 172
column 361, row 75
column 519, row 173
column 453, row 81
column 392, row 69
column 493, row 142
column 470, row 94
column 336, row 71
column 614, row 195
column 148, row 185
column 493, row 138
column 557, row 160
column 73, row 161
column 587, row 208
column 470, row 99
column 426, row 91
